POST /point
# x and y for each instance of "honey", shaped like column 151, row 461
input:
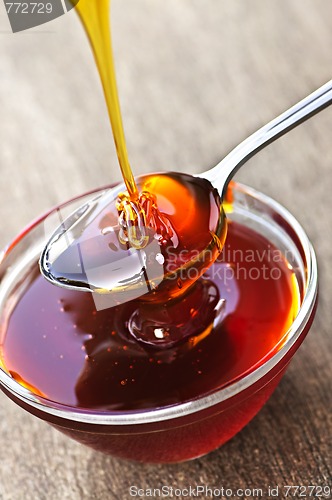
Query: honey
column 94, row 15
column 141, row 355
column 206, row 317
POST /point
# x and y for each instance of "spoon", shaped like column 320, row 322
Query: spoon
column 222, row 173
column 73, row 257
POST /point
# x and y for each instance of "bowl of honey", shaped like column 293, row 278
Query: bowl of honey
column 168, row 381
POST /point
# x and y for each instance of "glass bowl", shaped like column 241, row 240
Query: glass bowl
column 191, row 429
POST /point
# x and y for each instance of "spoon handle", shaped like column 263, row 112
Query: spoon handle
column 221, row 174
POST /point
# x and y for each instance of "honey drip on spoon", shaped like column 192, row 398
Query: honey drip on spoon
column 175, row 218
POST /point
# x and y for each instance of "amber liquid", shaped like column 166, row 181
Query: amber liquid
column 137, row 355
column 198, row 336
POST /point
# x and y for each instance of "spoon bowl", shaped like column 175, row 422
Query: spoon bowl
column 87, row 251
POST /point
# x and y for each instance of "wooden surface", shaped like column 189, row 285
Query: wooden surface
column 195, row 78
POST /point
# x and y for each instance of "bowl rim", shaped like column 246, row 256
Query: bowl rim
column 153, row 415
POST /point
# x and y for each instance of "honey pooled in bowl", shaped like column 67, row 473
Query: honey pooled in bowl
column 142, row 355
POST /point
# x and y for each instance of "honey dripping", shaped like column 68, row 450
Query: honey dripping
column 94, row 15
column 153, row 240
column 137, row 209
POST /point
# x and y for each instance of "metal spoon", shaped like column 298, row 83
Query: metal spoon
column 131, row 276
column 221, row 174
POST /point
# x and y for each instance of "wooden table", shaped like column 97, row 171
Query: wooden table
column 195, row 78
